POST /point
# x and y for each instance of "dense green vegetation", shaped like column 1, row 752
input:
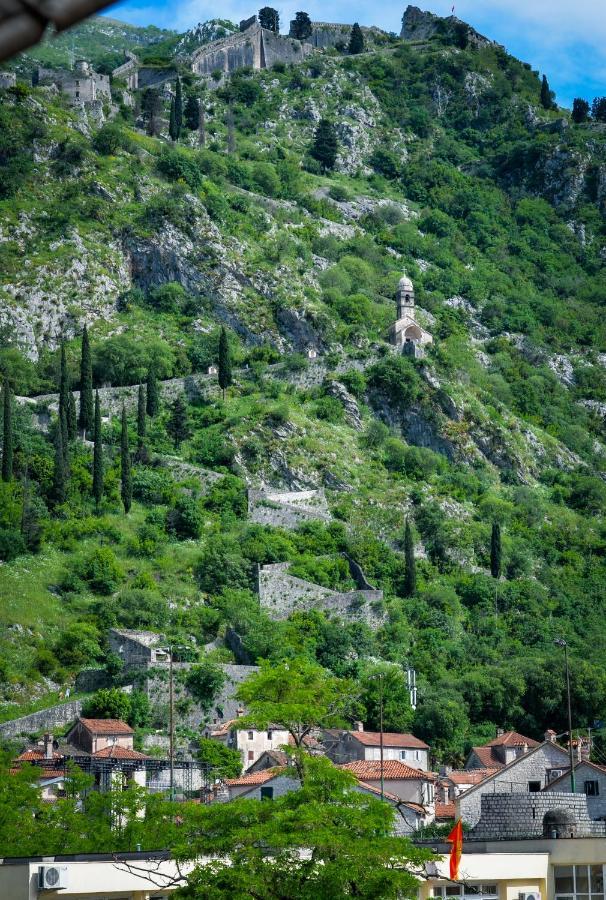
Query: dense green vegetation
column 490, row 455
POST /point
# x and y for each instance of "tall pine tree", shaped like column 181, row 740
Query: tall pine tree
column 300, row 26
column 178, row 107
column 97, row 454
column 59, row 489
column 178, row 422
column 225, row 376
column 142, row 454
column 546, row 94
column 152, row 396
column 356, row 40
column 85, row 419
column 410, row 570
column 64, row 402
column 495, row 551
column 126, row 478
column 325, row 147
column 7, row 433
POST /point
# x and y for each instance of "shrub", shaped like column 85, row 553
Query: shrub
column 111, row 138
column 227, row 495
column 222, row 565
column 184, row 520
column 210, row 448
column 11, row 544
column 178, row 166
column 79, row 645
column 329, row 409
column 153, row 485
column 204, row 682
column 101, row 571
column 169, row 297
column 416, row 462
column 107, row 703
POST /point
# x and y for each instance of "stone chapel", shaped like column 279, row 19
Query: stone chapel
column 406, row 333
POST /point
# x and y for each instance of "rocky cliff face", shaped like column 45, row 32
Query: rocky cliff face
column 418, row 25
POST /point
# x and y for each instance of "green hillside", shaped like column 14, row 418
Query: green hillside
column 450, row 170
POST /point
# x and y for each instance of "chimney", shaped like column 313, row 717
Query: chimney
column 48, row 746
column 500, row 732
column 550, row 736
column 359, row 726
column 239, row 712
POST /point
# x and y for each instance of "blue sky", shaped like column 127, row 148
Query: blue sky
column 566, row 40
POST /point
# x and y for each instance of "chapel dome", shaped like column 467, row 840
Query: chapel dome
column 405, row 284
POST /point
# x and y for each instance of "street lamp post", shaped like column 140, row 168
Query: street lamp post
column 560, row 642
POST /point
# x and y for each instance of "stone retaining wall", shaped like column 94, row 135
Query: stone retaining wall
column 287, row 509
column 510, row 816
column 44, row 720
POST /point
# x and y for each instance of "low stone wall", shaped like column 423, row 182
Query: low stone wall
column 281, row 594
column 44, row 720
column 287, row 509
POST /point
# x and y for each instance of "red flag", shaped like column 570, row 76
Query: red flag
column 456, row 839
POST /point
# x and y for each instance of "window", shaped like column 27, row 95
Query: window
column 467, row 891
column 579, row 882
column 251, row 755
column 534, row 787
column 270, row 734
column 251, row 736
column 267, row 793
column 592, row 788
column 402, row 754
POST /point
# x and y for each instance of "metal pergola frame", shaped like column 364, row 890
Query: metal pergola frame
column 23, row 23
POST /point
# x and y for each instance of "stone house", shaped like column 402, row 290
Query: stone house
column 502, row 750
column 526, row 773
column 137, row 649
column 407, row 784
column 250, row 742
column 348, row 746
column 590, row 780
column 94, row 735
column 7, row 80
column 82, row 85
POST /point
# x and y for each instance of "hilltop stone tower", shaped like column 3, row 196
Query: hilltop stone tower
column 406, row 333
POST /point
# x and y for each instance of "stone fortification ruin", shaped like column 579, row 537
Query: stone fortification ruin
column 287, row 509
column 281, row 594
column 406, row 333
column 252, row 46
column 418, row 25
column 82, row 85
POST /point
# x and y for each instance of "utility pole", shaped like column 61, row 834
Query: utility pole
column 560, row 642
column 171, row 750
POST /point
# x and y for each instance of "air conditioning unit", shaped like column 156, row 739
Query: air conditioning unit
column 52, row 878
column 532, row 895
column 555, row 773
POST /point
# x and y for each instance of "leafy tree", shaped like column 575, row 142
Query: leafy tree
column 152, row 397
column 7, row 432
column 326, row 839
column 178, row 106
column 598, row 109
column 126, row 478
column 269, row 18
column 410, row 572
column 101, row 571
column 300, row 26
column 97, row 454
column 298, row 695
column 222, row 761
column 108, row 703
column 111, row 138
column 85, row 420
column 78, row 645
column 192, row 113
column 389, row 680
column 356, row 40
column 205, row 682
column 580, row 110
column 185, row 519
column 495, row 551
column 325, row 146
column 225, row 376
column 142, row 454
column 173, row 130
column 178, row 422
column 546, row 94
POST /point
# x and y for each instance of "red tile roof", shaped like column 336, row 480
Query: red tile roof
column 393, row 769
column 255, row 777
column 512, row 739
column 470, row 776
column 106, row 726
column 487, row 758
column 445, row 810
column 117, row 752
column 390, row 739
column 36, row 756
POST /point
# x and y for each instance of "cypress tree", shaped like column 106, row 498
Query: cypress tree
column 152, row 395
column 85, row 420
column 172, row 122
column 178, row 423
column 356, row 40
column 495, row 551
column 325, row 147
column 126, row 479
column 7, row 436
column 59, row 491
column 178, row 107
column 63, row 401
column 141, row 425
column 225, row 377
column 546, row 94
column 72, row 425
column 97, row 455
column 410, row 571
column 191, row 113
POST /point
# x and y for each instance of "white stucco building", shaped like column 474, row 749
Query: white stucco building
column 406, row 333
